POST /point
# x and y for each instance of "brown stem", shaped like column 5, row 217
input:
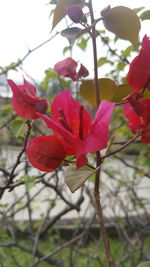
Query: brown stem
column 94, row 54
column 103, row 231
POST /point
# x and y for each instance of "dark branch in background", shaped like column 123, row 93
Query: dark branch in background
column 122, row 147
column 112, row 51
column 70, row 242
column 59, row 193
column 6, row 173
column 11, row 119
column 60, row 214
column 11, row 177
column 38, row 254
column 131, row 166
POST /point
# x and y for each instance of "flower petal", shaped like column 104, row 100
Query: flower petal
column 45, row 153
column 139, row 122
column 25, row 101
column 132, row 116
column 71, row 109
column 146, row 111
column 98, row 136
column 83, row 72
column 68, row 140
column 139, row 72
column 81, row 161
column 29, row 89
column 145, row 138
column 67, row 68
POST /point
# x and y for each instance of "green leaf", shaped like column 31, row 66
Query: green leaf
column 121, row 65
column 102, row 61
column 60, row 10
column 127, row 51
column 28, row 180
column 5, row 112
column 17, row 126
column 82, row 43
column 75, row 178
column 144, row 264
column 66, row 49
column 8, row 108
column 92, row 178
column 53, row 2
column 123, row 22
column 138, row 9
column 145, row 15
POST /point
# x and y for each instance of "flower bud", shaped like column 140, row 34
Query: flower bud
column 75, row 13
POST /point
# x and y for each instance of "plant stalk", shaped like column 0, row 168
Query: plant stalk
column 103, row 231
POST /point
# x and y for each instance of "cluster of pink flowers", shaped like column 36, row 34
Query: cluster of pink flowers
column 74, row 132
column 137, row 110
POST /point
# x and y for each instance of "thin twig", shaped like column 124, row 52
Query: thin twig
column 18, row 160
column 20, row 61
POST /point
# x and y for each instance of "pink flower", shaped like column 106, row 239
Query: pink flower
column 139, row 72
column 25, row 101
column 67, row 68
column 45, row 153
column 74, row 127
column 138, row 113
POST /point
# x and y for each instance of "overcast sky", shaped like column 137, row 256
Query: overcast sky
column 26, row 23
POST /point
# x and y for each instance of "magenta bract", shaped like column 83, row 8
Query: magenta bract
column 25, row 100
column 138, row 113
column 139, row 72
column 45, row 153
column 68, row 68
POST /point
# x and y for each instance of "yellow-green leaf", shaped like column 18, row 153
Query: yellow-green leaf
column 123, row 22
column 107, row 88
column 146, row 94
column 75, row 178
column 122, row 91
column 60, row 10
